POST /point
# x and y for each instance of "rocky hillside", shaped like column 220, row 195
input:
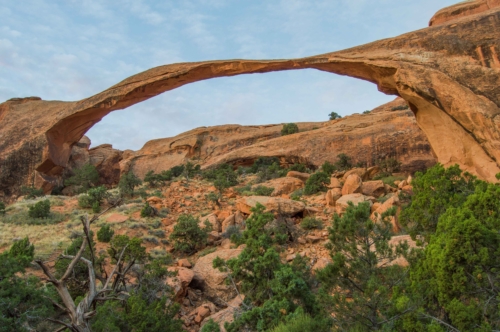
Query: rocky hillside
column 388, row 131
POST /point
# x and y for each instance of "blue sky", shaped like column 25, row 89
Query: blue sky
column 72, row 49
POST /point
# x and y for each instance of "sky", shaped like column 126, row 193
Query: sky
column 73, row 49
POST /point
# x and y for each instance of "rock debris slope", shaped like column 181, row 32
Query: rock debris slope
column 449, row 73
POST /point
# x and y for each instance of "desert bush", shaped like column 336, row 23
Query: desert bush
column 400, row 108
column 232, row 230
column 31, row 192
column 272, row 288
column 311, row 223
column 317, row 182
column 343, row 162
column 190, row 170
column 187, row 235
column 105, row 233
column 367, row 112
column 334, row 116
column 177, row 170
column 157, row 232
column 328, row 168
column 289, row 128
column 210, row 326
column 148, row 211
column 297, row 194
column 128, row 182
column 222, row 177
column 263, row 191
column 93, row 199
column 85, row 177
column 300, row 322
column 298, row 168
column 389, row 165
column 40, row 209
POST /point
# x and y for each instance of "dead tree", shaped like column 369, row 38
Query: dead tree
column 79, row 315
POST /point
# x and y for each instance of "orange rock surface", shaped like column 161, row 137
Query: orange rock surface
column 448, row 73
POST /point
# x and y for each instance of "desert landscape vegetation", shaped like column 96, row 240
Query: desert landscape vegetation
column 386, row 220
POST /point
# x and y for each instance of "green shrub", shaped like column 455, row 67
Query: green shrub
column 297, row 194
column 177, row 170
column 2, row 208
column 389, row 165
column 157, row 180
column 148, row 211
column 317, row 182
column 263, row 191
column 343, row 162
column 31, row 192
column 232, row 230
column 85, row 177
column 105, row 233
column 190, row 170
column 289, row 128
column 300, row 322
column 40, row 209
column 400, row 108
column 223, row 177
column 334, row 116
column 311, row 223
column 298, row 168
column 262, row 163
column 272, row 172
column 128, row 182
column 210, row 326
column 328, row 168
column 93, row 199
column 187, row 235
column 272, row 289
column 367, row 112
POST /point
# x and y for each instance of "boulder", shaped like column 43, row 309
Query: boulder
column 358, row 171
column 211, row 280
column 229, row 221
column 343, row 201
column 352, row 185
column 298, row 175
column 212, row 219
column 227, row 315
column 184, row 263
column 274, row 204
column 373, row 188
column 284, row 186
column 332, row 196
column 377, row 215
column 334, row 183
column 371, row 172
column 180, row 282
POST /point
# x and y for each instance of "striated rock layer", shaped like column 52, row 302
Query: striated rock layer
column 449, row 74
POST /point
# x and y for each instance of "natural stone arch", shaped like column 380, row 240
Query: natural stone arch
column 449, row 74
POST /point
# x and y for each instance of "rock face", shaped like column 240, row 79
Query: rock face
column 273, row 204
column 212, row 281
column 449, row 74
column 462, row 9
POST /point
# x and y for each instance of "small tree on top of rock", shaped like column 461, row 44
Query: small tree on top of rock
column 334, row 116
column 289, row 128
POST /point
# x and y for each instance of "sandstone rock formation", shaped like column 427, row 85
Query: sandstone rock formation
column 272, row 204
column 448, row 73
